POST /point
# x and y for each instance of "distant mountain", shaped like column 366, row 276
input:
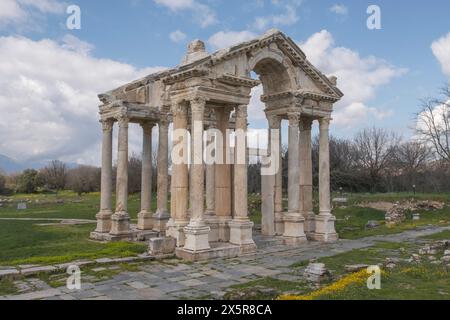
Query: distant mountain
column 9, row 165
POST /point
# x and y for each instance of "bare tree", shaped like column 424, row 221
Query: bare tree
column 411, row 157
column 433, row 124
column 374, row 150
column 84, row 179
column 55, row 175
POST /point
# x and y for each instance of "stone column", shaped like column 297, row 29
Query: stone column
column 180, row 176
column 241, row 227
column 161, row 216
column 197, row 231
column 306, row 179
column 210, row 212
column 104, row 216
column 120, row 226
column 325, row 230
column 223, row 177
column 145, row 215
column 278, row 194
column 294, row 221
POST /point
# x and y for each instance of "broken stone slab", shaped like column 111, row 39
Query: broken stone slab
column 37, row 270
column 161, row 246
column 316, row 272
column 355, row 267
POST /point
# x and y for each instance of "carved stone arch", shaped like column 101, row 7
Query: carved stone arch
column 275, row 71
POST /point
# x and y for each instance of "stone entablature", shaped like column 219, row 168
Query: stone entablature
column 208, row 214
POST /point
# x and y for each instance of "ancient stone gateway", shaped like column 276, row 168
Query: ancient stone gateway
column 212, row 91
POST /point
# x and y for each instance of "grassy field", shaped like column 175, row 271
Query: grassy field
column 30, row 242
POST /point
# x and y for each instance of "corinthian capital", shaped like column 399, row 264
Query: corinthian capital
column 306, row 123
column 274, row 121
column 294, row 119
column 198, row 105
column 123, row 121
column 324, row 123
column 241, row 111
column 107, row 125
column 178, row 109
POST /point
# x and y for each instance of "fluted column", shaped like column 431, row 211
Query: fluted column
column 325, row 230
column 275, row 124
column 306, row 179
column 241, row 227
column 161, row 216
column 210, row 179
column 104, row 216
column 197, row 231
column 145, row 215
column 180, row 176
column 293, row 227
column 223, row 176
column 120, row 225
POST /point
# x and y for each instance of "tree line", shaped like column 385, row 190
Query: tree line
column 374, row 160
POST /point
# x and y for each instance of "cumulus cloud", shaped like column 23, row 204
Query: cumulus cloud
column 441, row 50
column 48, row 98
column 23, row 12
column 177, row 36
column 358, row 77
column 339, row 9
column 202, row 13
column 224, row 39
column 287, row 17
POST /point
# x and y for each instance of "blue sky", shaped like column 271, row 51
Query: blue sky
column 385, row 72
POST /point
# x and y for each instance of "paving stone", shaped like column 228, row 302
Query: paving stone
column 9, row 272
column 151, row 294
column 36, row 295
column 171, row 287
column 192, row 283
column 137, row 285
column 36, row 270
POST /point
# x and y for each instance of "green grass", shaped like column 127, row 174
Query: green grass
column 24, row 242
column 444, row 235
column 7, row 287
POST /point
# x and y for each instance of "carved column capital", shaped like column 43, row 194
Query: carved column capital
column 179, row 109
column 306, row 124
column 324, row 123
column 123, row 121
column 241, row 111
column 274, row 121
column 147, row 126
column 107, row 125
column 294, row 119
column 198, row 105
column 164, row 120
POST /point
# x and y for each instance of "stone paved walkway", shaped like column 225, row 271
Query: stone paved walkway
column 160, row 280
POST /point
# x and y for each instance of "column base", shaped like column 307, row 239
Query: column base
column 224, row 228
column 325, row 231
column 197, row 238
column 279, row 224
column 310, row 224
column 241, row 234
column 103, row 221
column 160, row 219
column 175, row 229
column 213, row 223
column 120, row 225
column 294, row 233
column 145, row 220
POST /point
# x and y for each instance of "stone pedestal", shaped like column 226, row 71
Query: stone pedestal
column 175, row 229
column 103, row 221
column 145, row 220
column 294, row 233
column 309, row 224
column 241, row 235
column 160, row 220
column 325, row 231
column 120, row 227
column 197, row 238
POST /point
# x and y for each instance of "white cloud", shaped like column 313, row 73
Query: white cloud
column 203, row 14
column 441, row 50
column 224, row 39
column 48, row 98
column 177, row 36
column 287, row 17
column 19, row 12
column 73, row 43
column 358, row 77
column 339, row 9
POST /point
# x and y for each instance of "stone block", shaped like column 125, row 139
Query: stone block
column 160, row 246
